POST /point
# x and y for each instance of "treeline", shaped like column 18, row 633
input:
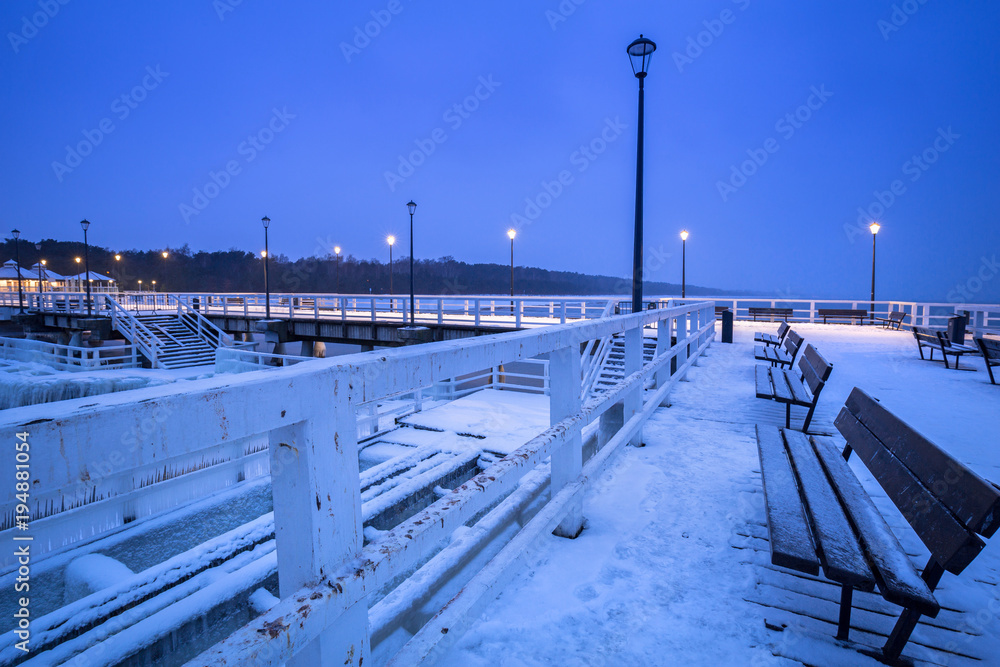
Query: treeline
column 239, row 271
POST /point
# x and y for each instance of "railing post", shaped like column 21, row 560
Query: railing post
column 633, row 362
column 440, row 311
column 317, row 515
column 664, row 331
column 567, row 460
column 562, row 313
column 476, row 304
column 518, row 313
column 681, row 326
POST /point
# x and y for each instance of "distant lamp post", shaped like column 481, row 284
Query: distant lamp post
column 140, row 285
column 86, row 266
column 874, row 227
column 391, row 240
column 266, row 221
column 639, row 52
column 118, row 271
column 17, row 260
column 154, row 285
column 165, row 255
column 511, row 233
column 684, row 239
column 412, row 207
column 41, row 267
column 336, row 251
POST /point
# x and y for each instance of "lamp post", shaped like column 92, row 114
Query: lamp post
column 164, row 254
column 38, row 249
column 511, row 233
column 86, row 266
column 639, row 52
column 118, row 271
column 336, row 251
column 684, row 240
column 412, row 207
column 79, row 286
column 874, row 227
column 17, row 260
column 266, row 221
column 391, row 240
column 41, row 265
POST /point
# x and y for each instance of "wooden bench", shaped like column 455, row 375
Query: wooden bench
column 802, row 389
column 783, row 356
column 721, row 309
column 990, row 349
column 842, row 314
column 784, row 313
column 938, row 340
column 820, row 516
column 771, row 339
column 894, row 320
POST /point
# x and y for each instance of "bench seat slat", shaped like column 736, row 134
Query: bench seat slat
column 898, row 579
column 839, row 550
column 791, row 539
column 968, row 496
column 950, row 543
column 762, row 378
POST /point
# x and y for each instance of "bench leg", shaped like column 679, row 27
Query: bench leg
column 844, row 625
column 809, row 417
column 908, row 620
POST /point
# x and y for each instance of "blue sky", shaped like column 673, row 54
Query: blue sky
column 221, row 112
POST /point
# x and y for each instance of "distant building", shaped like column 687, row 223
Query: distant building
column 52, row 281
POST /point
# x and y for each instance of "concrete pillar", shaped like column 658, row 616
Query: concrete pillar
column 567, row 460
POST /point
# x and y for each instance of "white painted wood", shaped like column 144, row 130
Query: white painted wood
column 567, row 459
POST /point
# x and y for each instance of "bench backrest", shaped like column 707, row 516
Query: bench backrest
column 989, row 347
column 783, row 330
column 925, row 335
column 897, row 316
column 814, row 368
column 946, row 503
column 793, row 341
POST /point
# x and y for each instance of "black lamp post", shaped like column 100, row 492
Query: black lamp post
column 639, row 52
column 511, row 233
column 391, row 240
column 86, row 263
column 38, row 249
column 17, row 260
column 267, row 286
column 874, row 227
column 336, row 251
column 412, row 208
column 684, row 240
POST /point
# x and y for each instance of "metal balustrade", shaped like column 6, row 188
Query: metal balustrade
column 308, row 413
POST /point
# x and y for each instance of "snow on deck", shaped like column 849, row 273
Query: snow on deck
column 673, row 565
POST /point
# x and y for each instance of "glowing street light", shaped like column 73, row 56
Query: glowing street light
column 336, row 250
column 511, row 233
column 874, row 227
column 391, row 240
column 639, row 52
column 266, row 221
column 684, row 238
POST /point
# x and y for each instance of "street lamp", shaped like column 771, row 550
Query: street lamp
column 684, row 239
column 412, row 207
column 391, row 240
column 874, row 227
column 86, row 267
column 336, row 250
column 17, row 260
column 639, row 52
column 41, row 265
column 511, row 233
column 266, row 221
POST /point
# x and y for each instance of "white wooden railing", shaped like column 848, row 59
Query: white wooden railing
column 69, row 357
column 308, row 414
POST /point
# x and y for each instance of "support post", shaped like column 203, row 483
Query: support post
column 663, row 335
column 317, row 515
column 633, row 362
column 567, row 460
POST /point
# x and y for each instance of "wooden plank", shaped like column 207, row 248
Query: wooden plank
column 800, row 394
column 762, row 378
column 949, row 542
column 791, row 540
column 784, row 385
column 975, row 501
column 897, row 576
column 819, row 369
column 838, row 547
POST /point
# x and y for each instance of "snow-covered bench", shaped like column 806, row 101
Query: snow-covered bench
column 991, row 354
column 780, row 356
column 938, row 340
column 784, row 313
column 852, row 314
column 893, row 321
column 803, row 389
column 819, row 515
column 771, row 339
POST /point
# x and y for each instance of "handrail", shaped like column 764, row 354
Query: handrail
column 205, row 328
column 137, row 333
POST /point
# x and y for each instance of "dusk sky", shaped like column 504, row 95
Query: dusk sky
column 772, row 130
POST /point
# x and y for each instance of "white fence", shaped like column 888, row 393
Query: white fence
column 67, row 357
column 336, row 592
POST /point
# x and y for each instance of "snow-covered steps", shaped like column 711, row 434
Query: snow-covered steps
column 612, row 370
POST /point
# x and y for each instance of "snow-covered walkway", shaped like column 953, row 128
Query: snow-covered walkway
column 673, row 567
